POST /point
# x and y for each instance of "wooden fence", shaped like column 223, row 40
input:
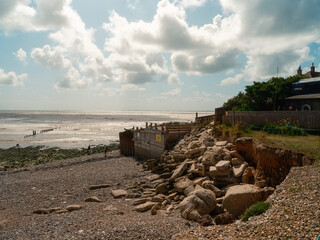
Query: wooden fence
column 305, row 119
column 204, row 119
column 126, row 142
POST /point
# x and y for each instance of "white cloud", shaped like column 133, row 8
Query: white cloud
column 173, row 78
column 174, row 92
column 16, row 15
column 132, row 4
column 73, row 80
column 124, row 89
column 201, row 94
column 269, row 36
column 53, row 58
column 11, row 78
column 262, row 31
column 232, row 80
column 190, row 3
column 21, row 55
column 74, row 47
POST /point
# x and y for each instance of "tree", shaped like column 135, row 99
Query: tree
column 262, row 96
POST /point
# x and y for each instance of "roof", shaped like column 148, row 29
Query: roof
column 308, row 80
column 305, row 96
column 311, row 74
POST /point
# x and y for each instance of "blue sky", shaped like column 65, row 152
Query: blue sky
column 148, row 55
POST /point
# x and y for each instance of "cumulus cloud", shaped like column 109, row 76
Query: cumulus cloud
column 53, row 58
column 269, row 34
column 74, row 47
column 21, row 55
column 232, row 80
column 73, row 80
column 190, row 3
column 270, row 37
column 124, row 89
column 11, row 78
column 174, row 92
column 17, row 15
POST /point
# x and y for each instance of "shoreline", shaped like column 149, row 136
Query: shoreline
column 24, row 157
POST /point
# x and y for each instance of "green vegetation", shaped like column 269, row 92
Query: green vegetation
column 308, row 145
column 17, row 157
column 262, row 96
column 254, row 210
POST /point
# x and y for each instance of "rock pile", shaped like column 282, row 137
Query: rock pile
column 200, row 176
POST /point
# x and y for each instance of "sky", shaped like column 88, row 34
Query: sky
column 177, row 55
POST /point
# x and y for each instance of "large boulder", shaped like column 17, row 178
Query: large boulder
column 197, row 204
column 238, row 198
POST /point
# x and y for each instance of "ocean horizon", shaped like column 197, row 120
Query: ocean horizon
column 77, row 129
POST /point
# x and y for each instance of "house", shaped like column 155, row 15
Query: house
column 305, row 94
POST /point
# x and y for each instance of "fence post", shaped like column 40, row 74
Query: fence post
column 233, row 118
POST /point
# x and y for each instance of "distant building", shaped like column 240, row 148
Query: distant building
column 305, row 94
column 311, row 74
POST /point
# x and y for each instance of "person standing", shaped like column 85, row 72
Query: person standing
column 105, row 151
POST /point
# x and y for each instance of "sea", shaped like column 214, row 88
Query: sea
column 72, row 129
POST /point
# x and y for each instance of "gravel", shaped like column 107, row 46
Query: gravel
column 294, row 211
column 67, row 182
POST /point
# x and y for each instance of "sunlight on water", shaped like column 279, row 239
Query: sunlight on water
column 77, row 129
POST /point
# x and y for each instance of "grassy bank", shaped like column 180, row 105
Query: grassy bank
column 17, row 157
column 309, row 145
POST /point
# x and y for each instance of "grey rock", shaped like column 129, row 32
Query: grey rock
column 223, row 165
column 221, row 143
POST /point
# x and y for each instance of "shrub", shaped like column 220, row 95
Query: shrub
column 284, row 127
column 254, row 210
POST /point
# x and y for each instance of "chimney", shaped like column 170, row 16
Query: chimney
column 312, row 68
column 299, row 71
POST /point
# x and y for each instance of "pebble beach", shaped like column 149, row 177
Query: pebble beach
column 294, row 211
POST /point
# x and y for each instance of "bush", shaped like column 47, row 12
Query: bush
column 284, row 127
column 254, row 210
